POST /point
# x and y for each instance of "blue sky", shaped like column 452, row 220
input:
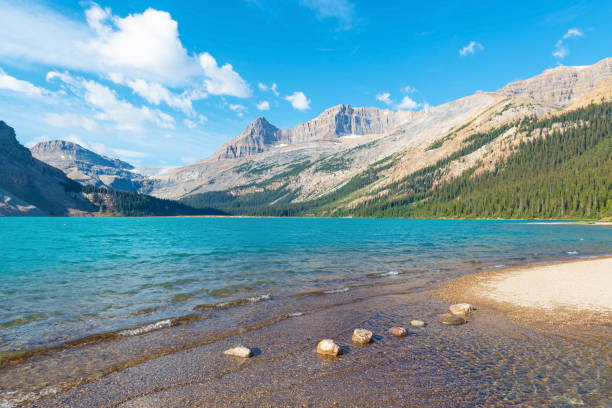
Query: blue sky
column 165, row 83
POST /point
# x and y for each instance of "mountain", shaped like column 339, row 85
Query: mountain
column 30, row 187
column 334, row 123
column 87, row 167
column 347, row 159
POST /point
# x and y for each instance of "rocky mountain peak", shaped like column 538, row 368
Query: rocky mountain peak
column 561, row 86
column 62, row 153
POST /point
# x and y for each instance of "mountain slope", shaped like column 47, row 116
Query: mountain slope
column 340, row 175
column 87, row 167
column 28, row 185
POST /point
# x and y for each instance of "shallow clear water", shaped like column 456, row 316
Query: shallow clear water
column 65, row 278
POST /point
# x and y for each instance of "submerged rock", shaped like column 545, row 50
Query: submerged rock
column 327, row 347
column 417, row 323
column 461, row 309
column 240, row 351
column 362, row 336
column 452, row 320
column 398, row 331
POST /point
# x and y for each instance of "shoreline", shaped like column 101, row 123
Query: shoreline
column 563, row 293
column 335, row 315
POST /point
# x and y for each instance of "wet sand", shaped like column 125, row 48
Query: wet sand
column 493, row 360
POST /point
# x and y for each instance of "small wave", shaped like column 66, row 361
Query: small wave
column 295, row 314
column 12, row 399
column 340, row 290
column 572, row 252
column 145, row 329
column 499, row 266
column 390, row 273
column 233, row 303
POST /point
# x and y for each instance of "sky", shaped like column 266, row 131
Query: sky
column 165, row 83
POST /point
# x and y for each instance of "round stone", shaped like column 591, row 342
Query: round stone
column 362, row 336
column 327, row 347
column 240, row 351
column 461, row 309
column 452, row 320
column 398, row 331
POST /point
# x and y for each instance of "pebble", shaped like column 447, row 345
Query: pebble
column 417, row 323
column 398, row 331
column 328, row 347
column 452, row 320
column 461, row 309
column 239, row 351
column 362, row 336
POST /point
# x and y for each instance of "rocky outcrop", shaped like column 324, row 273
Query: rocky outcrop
column 561, row 86
column 88, row 167
column 335, row 122
column 30, row 187
column 256, row 138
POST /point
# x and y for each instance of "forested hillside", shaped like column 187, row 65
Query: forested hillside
column 112, row 202
column 562, row 168
column 568, row 173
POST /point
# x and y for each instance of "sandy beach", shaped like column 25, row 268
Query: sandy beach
column 564, row 293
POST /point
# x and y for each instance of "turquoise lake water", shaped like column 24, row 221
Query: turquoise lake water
column 65, row 278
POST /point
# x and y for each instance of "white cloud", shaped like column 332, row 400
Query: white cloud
column 408, row 103
column 385, row 97
column 471, row 48
column 561, row 50
column 272, row 88
column 190, row 123
column 109, row 107
column 239, row 109
column 155, row 93
column 223, row 80
column 11, row 83
column 263, row 106
column 298, row 101
column 572, row 32
column 409, row 89
column 70, row 120
column 343, row 10
column 141, row 46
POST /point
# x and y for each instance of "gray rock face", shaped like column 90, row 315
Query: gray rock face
column 87, row 167
column 30, row 187
column 561, row 86
column 335, row 122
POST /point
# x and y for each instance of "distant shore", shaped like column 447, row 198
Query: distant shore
column 563, row 293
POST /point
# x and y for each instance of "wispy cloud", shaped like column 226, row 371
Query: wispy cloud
column 299, row 101
column 343, row 10
column 263, row 106
column 10, row 83
column 407, row 102
column 271, row 88
column 384, row 97
column 471, row 48
column 561, row 50
column 108, row 106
